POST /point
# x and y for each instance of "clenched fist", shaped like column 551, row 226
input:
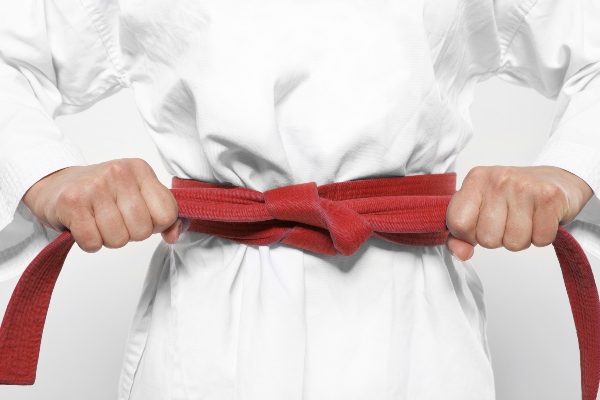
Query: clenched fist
column 108, row 204
column 512, row 207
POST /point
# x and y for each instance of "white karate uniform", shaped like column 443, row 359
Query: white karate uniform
column 266, row 93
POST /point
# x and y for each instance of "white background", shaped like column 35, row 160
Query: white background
column 530, row 329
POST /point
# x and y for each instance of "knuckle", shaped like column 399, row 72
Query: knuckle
column 141, row 166
column 79, row 218
column 142, row 234
column 502, row 177
column 165, row 217
column 117, row 242
column 488, row 241
column 522, row 186
column 459, row 225
column 92, row 186
column 139, row 163
column 90, row 245
column 88, row 242
column 71, row 197
column 477, row 173
column 513, row 245
column 549, row 193
column 118, row 169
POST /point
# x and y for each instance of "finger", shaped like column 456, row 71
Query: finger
column 462, row 214
column 134, row 210
column 545, row 226
column 171, row 234
column 84, row 230
column 161, row 204
column 462, row 250
column 110, row 221
column 158, row 198
column 492, row 222
column 517, row 235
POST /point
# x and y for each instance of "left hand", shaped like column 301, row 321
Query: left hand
column 512, row 207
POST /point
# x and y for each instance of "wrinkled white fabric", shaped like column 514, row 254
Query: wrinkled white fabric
column 264, row 93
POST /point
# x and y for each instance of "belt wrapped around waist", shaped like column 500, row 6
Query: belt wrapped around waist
column 332, row 219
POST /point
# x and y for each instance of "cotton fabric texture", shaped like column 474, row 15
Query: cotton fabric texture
column 262, row 94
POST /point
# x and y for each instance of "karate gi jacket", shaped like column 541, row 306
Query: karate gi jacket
column 265, row 93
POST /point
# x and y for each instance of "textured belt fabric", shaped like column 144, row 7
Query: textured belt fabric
column 332, row 219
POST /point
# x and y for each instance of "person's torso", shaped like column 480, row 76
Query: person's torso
column 266, row 93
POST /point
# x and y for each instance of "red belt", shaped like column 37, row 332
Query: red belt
column 331, row 219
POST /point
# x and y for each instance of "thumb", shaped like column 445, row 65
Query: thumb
column 172, row 233
column 461, row 250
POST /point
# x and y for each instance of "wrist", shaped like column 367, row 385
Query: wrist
column 34, row 193
column 585, row 191
column 577, row 191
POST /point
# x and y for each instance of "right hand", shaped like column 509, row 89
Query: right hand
column 108, row 204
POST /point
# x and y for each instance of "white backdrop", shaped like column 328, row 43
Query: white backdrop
column 531, row 331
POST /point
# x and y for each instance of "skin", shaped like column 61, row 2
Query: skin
column 107, row 204
column 118, row 201
column 512, row 207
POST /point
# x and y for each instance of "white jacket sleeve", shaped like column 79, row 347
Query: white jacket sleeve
column 554, row 48
column 55, row 58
